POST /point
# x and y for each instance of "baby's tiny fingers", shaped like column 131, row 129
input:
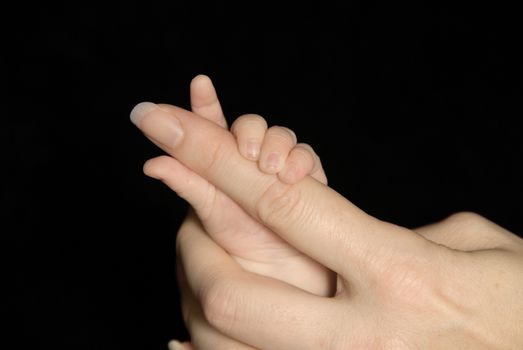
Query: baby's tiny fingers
column 277, row 144
column 249, row 131
column 299, row 164
column 302, row 161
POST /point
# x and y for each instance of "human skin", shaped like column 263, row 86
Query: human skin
column 252, row 245
column 457, row 284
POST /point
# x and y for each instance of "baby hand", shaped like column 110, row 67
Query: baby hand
column 276, row 150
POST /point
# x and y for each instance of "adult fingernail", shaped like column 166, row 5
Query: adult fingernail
column 140, row 111
column 161, row 126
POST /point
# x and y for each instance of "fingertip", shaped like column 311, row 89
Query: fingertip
column 140, row 111
column 316, row 169
column 251, row 149
column 150, row 169
column 202, row 89
column 271, row 163
column 201, row 79
column 299, row 164
column 157, row 167
column 320, row 176
column 277, row 145
column 296, row 168
column 249, row 131
column 290, row 174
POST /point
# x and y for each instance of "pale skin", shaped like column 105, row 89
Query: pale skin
column 254, row 246
column 456, row 284
column 275, row 150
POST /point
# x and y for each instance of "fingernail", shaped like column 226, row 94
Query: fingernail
column 141, row 110
column 273, row 162
column 290, row 173
column 252, row 149
column 161, row 126
column 175, row 345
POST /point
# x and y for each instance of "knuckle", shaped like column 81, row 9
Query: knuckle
column 411, row 280
column 478, row 230
column 248, row 120
column 306, row 147
column 466, row 217
column 309, row 152
column 467, row 222
column 219, row 303
column 218, row 155
column 280, row 204
column 408, row 281
column 305, row 151
column 283, row 134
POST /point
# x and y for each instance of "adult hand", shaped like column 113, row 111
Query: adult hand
column 252, row 245
column 397, row 288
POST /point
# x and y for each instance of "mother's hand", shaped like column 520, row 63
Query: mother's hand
column 397, row 288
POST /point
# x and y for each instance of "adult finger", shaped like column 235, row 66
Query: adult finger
column 203, row 335
column 194, row 189
column 310, row 216
column 250, row 308
column 468, row 231
column 204, row 100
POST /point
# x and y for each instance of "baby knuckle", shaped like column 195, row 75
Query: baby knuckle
column 284, row 134
column 306, row 147
column 291, row 133
column 306, row 153
column 248, row 120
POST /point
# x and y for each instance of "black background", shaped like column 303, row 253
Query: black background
column 413, row 108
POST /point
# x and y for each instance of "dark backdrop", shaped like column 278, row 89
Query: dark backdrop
column 414, row 111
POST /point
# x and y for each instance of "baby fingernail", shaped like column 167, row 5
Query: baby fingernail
column 273, row 161
column 252, row 149
column 290, row 173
